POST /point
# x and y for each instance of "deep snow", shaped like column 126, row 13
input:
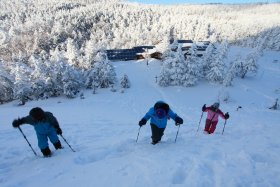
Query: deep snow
column 102, row 128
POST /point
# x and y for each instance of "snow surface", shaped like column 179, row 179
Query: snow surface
column 102, row 128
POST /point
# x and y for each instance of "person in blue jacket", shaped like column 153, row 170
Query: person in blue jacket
column 45, row 125
column 159, row 114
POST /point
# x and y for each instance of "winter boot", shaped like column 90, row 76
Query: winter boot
column 154, row 142
column 46, row 152
column 206, row 132
column 57, row 145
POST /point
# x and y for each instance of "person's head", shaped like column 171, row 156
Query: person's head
column 161, row 109
column 160, row 113
column 37, row 113
column 216, row 106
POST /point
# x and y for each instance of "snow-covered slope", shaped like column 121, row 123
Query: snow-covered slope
column 102, row 128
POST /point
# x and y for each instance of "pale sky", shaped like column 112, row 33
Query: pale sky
column 202, row 1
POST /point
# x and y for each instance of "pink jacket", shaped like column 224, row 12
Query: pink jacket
column 213, row 116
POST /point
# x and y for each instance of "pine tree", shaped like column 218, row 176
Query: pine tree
column 164, row 79
column 174, row 70
column 56, row 66
column 230, row 74
column 6, row 85
column 72, row 53
column 102, row 74
column 208, row 58
column 22, row 88
column 250, row 63
column 216, row 71
column 38, row 77
column 164, row 46
column 193, row 67
column 72, row 81
column 125, row 82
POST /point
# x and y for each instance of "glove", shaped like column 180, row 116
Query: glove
column 17, row 122
column 142, row 122
column 204, row 107
column 178, row 121
column 226, row 115
column 58, row 131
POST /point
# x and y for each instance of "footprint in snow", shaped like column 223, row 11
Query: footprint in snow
column 179, row 176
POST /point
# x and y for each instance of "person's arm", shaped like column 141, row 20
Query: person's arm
column 54, row 122
column 207, row 109
column 221, row 114
column 175, row 117
column 147, row 116
column 224, row 116
column 20, row 121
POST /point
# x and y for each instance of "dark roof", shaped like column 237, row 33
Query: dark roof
column 205, row 42
column 130, row 54
column 184, row 41
column 126, row 54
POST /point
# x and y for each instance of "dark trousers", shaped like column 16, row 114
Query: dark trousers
column 157, row 133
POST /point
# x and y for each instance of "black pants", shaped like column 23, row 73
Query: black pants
column 157, row 133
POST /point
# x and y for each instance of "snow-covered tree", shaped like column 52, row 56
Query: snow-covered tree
column 164, row 78
column 193, row 67
column 216, row 71
column 38, row 77
column 241, row 66
column 174, row 70
column 22, row 87
column 229, row 76
column 89, row 54
column 124, row 81
column 250, row 63
column 237, row 66
column 6, row 85
column 71, row 80
column 208, row 58
column 163, row 46
column 102, row 74
column 56, row 67
column 72, row 53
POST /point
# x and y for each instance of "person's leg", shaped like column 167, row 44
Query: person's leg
column 157, row 133
column 207, row 125
column 161, row 132
column 54, row 139
column 43, row 144
column 213, row 127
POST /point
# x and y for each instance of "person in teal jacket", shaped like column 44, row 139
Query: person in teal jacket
column 159, row 114
column 45, row 125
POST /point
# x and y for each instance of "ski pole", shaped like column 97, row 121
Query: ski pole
column 138, row 133
column 224, row 126
column 177, row 133
column 67, row 143
column 199, row 121
column 27, row 141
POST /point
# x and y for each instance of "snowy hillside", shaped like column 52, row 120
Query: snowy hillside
column 102, row 128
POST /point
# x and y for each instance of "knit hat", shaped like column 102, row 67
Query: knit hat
column 216, row 105
column 37, row 113
column 162, row 105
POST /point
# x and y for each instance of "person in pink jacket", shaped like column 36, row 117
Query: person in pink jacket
column 213, row 113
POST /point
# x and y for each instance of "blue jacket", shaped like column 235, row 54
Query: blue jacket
column 160, row 123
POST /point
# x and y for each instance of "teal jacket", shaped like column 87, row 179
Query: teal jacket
column 42, row 126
